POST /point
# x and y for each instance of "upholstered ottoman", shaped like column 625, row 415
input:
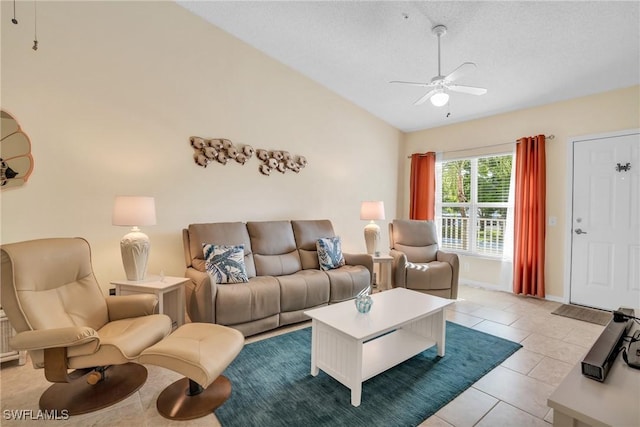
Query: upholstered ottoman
column 200, row 352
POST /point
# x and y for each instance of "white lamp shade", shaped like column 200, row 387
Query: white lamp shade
column 440, row 99
column 134, row 211
column 371, row 210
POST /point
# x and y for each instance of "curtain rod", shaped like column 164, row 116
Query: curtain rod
column 547, row 137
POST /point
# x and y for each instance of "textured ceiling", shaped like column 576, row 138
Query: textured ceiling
column 528, row 53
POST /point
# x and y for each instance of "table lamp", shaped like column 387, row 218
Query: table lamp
column 134, row 211
column 372, row 211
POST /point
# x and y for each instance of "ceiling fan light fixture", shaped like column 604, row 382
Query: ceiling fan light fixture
column 439, row 86
column 440, row 99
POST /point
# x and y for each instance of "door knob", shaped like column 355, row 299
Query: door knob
column 579, row 231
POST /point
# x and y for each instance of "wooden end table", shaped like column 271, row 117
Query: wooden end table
column 383, row 275
column 580, row 400
column 169, row 290
column 6, row 332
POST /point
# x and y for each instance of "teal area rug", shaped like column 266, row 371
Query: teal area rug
column 272, row 384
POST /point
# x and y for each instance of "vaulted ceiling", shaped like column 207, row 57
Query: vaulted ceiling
column 527, row 53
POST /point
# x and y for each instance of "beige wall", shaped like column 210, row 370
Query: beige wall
column 115, row 90
column 606, row 112
column 111, row 98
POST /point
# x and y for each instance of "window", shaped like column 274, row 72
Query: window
column 473, row 205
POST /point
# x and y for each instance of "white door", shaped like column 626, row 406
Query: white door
column 605, row 247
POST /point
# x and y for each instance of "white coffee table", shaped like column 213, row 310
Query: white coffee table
column 353, row 347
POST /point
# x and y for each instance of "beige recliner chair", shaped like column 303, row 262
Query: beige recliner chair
column 53, row 301
column 418, row 264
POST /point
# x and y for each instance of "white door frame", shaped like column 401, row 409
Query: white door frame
column 568, row 233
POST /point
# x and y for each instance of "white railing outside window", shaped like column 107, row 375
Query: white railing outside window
column 455, row 233
column 489, row 238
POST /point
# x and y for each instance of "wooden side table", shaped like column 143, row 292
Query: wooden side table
column 169, row 290
column 581, row 401
column 6, row 352
column 383, row 275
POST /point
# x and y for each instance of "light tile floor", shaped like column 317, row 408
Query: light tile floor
column 514, row 393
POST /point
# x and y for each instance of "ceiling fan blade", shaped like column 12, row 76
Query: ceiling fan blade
column 425, row 97
column 460, row 71
column 467, row 89
column 412, row 83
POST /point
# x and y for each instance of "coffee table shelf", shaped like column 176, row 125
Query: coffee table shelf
column 352, row 347
column 390, row 350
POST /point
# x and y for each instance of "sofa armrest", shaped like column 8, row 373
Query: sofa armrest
column 398, row 268
column 453, row 260
column 360, row 259
column 127, row 306
column 54, row 338
column 200, row 295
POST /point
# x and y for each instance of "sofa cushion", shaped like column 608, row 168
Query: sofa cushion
column 434, row 275
column 245, row 302
column 417, row 239
column 345, row 282
column 304, row 289
column 307, row 233
column 330, row 253
column 274, row 248
column 220, row 233
column 418, row 254
column 225, row 263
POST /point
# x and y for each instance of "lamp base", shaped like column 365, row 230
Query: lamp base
column 372, row 237
column 135, row 254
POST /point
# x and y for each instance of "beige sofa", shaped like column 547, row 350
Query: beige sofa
column 283, row 270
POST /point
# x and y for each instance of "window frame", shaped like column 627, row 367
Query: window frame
column 472, row 226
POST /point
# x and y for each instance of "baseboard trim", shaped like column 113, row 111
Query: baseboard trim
column 485, row 285
column 555, row 299
column 494, row 287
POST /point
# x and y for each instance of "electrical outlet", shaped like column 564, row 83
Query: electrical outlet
column 465, row 266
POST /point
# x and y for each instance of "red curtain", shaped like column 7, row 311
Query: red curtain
column 530, row 212
column 423, row 186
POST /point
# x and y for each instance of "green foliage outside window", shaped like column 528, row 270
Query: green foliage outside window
column 456, row 181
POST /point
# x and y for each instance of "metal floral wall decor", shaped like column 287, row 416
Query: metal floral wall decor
column 16, row 162
column 220, row 150
column 280, row 161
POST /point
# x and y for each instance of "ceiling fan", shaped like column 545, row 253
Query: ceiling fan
column 440, row 84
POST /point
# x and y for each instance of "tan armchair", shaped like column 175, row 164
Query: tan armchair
column 418, row 264
column 61, row 317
